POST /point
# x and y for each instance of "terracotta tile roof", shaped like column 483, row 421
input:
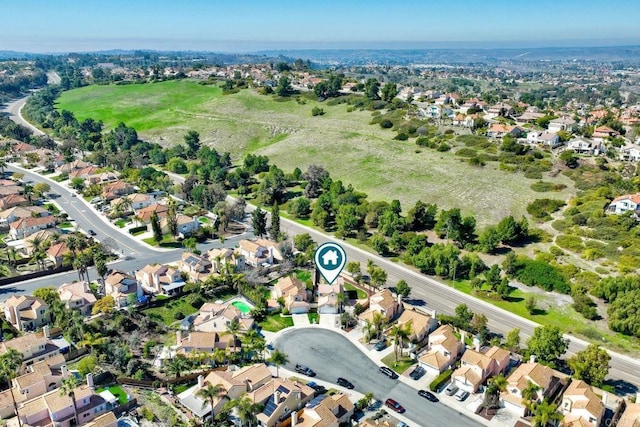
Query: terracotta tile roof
column 290, row 286
column 630, row 416
column 536, row 373
column 248, row 245
column 469, row 375
column 583, row 397
column 58, row 250
column 419, row 321
column 435, row 359
column 475, row 358
column 635, row 198
column 33, row 222
column 104, row 420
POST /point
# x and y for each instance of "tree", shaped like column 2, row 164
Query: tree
column 379, row 243
column 389, row 91
column 402, row 288
column 233, row 328
column 177, row 365
column 303, row 242
column 464, row 314
column 275, row 222
column 371, row 89
column 41, row 188
column 591, row 365
column 545, row 413
column 192, row 139
column 68, row 388
column 190, row 244
column 512, row 342
column 259, row 222
column 278, row 358
column 155, row 226
column 489, row 240
column 87, row 365
column 247, row 410
column 172, row 218
column 347, row 220
column 104, row 305
column 547, row 344
column 101, row 267
column 530, row 304
column 48, row 294
column 492, row 276
column 209, row 393
column 354, row 269
column 569, row 159
column 284, row 88
column 378, row 277
column 10, row 363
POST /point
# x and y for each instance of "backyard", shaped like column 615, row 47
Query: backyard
column 275, row 322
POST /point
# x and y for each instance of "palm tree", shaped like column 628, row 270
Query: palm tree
column 545, row 413
column 395, row 333
column 68, row 388
column 530, row 396
column 368, row 329
column 10, row 363
column 246, row 409
column 233, row 328
column 37, row 249
column 220, row 355
column 209, row 393
column 341, row 298
column 378, row 321
column 278, row 358
column 177, row 365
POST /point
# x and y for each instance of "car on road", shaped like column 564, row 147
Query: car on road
column 450, row 390
column 319, row 389
column 305, row 370
column 74, row 195
column 380, row 345
column 417, row 373
column 388, row 372
column 461, row 395
column 394, row 405
column 345, row 383
column 91, row 232
column 428, row 395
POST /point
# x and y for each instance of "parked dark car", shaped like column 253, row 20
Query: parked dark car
column 319, row 389
column 428, row 395
column 394, row 405
column 91, row 232
column 345, row 383
column 380, row 345
column 388, row 372
column 417, row 373
column 301, row 369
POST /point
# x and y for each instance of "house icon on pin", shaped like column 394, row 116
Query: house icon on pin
column 330, row 258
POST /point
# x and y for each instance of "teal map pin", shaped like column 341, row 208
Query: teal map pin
column 330, row 259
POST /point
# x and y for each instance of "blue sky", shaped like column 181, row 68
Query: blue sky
column 74, row 25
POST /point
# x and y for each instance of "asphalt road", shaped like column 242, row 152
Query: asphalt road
column 434, row 295
column 331, row 356
column 135, row 254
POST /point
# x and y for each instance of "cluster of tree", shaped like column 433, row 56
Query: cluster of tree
column 535, row 273
column 508, row 232
column 467, row 320
column 329, row 88
column 623, row 294
column 14, row 85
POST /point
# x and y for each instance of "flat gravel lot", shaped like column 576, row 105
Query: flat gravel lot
column 331, row 356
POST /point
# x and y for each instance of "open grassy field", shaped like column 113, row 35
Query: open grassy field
column 343, row 142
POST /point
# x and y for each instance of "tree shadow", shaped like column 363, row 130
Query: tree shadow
column 514, row 299
column 538, row 312
column 622, row 387
column 417, row 302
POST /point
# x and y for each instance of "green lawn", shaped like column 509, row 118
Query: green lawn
column 564, row 317
column 314, row 318
column 168, row 312
column 167, row 242
column 65, row 224
column 402, row 365
column 121, row 222
column 361, row 294
column 117, row 391
column 354, row 151
column 275, row 323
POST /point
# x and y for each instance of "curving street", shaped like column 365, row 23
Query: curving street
column 331, row 356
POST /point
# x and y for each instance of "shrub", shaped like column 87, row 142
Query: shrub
column 569, row 242
column 135, row 230
column 544, row 186
column 386, row 124
column 541, row 274
column 542, row 208
column 401, row 137
column 178, row 315
column 317, row 111
column 440, row 380
column 466, row 152
column 444, row 147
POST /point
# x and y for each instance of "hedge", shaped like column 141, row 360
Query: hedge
column 440, row 380
column 134, row 230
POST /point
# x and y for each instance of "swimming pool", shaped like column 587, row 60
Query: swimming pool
column 243, row 307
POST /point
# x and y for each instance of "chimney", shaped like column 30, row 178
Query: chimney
column 16, row 316
column 638, row 397
column 400, row 301
column 435, row 314
column 605, row 397
column 90, row 380
column 476, row 344
column 179, row 337
column 463, row 337
column 249, row 385
column 65, row 371
column 45, row 331
column 276, row 397
column 200, row 381
column 532, row 358
column 294, row 418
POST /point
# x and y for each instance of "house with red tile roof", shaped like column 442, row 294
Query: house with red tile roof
column 499, row 130
column 144, row 215
column 443, row 350
column 602, row 132
column 625, row 203
column 477, row 366
column 12, row 200
column 294, row 293
column 26, row 313
column 581, row 406
column 77, row 296
column 56, row 253
column 116, row 189
column 26, row 226
column 548, row 381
